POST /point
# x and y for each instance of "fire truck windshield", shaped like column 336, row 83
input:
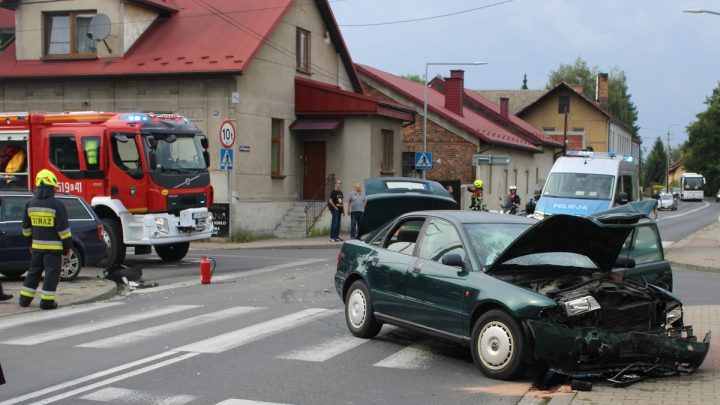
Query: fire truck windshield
column 182, row 153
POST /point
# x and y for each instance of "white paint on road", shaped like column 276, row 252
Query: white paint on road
column 62, row 312
column 223, row 277
column 410, row 358
column 233, row 401
column 325, row 350
column 57, row 334
column 231, row 340
column 128, row 339
column 682, row 214
column 125, row 396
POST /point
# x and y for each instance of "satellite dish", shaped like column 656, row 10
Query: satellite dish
column 99, row 28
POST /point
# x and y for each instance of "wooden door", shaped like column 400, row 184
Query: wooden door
column 314, row 170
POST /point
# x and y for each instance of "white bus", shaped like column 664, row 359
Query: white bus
column 692, row 186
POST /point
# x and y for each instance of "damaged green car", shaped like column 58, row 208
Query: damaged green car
column 586, row 294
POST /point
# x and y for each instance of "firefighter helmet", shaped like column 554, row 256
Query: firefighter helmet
column 478, row 183
column 46, row 178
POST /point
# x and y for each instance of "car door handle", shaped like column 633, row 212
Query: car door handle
column 416, row 270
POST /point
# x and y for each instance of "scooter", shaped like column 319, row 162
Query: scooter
column 507, row 206
column 532, row 202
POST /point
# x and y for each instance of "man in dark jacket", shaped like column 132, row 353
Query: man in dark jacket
column 45, row 225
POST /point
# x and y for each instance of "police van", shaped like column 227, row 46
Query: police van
column 584, row 182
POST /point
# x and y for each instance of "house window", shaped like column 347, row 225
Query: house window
column 548, row 129
column 387, row 150
column 276, row 147
column 564, row 105
column 302, row 50
column 66, row 35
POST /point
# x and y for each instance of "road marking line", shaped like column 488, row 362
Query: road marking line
column 127, row 339
column 705, row 205
column 325, row 350
column 223, row 277
column 236, row 338
column 62, row 333
column 125, row 396
column 62, row 312
column 410, row 358
column 115, row 379
column 87, row 378
column 233, row 401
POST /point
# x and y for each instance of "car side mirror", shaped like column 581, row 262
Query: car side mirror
column 453, row 260
column 204, row 142
column 153, row 160
column 624, row 262
column 206, row 155
column 622, row 198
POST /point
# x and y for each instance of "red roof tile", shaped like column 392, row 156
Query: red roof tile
column 474, row 123
column 221, row 38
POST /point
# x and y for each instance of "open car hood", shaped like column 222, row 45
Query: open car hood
column 599, row 236
column 388, row 197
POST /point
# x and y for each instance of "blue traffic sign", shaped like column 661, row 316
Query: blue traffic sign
column 423, row 160
column 226, row 159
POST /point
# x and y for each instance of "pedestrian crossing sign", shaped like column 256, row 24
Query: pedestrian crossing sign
column 226, row 159
column 423, row 160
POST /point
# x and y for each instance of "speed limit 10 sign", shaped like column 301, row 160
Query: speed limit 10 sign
column 227, row 134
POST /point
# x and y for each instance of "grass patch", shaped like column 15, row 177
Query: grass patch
column 245, row 237
column 324, row 231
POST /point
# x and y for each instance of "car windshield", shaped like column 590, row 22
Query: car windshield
column 489, row 240
column 579, row 185
column 666, row 197
column 182, row 154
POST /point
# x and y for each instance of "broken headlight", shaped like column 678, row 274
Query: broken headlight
column 673, row 315
column 581, row 305
column 162, row 225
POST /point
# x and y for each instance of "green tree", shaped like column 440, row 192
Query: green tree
column 700, row 150
column 415, row 78
column 620, row 100
column 655, row 165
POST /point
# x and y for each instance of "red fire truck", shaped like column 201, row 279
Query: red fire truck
column 144, row 174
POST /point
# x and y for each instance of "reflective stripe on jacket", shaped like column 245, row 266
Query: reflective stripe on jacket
column 45, row 222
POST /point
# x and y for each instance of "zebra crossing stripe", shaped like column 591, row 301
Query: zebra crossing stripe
column 325, row 350
column 410, row 358
column 57, row 334
column 125, row 396
column 127, row 339
column 62, row 312
column 236, row 338
column 233, row 401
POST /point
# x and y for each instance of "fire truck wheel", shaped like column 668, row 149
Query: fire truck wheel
column 172, row 252
column 71, row 265
column 112, row 232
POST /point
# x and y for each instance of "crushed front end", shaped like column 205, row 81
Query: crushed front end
column 609, row 327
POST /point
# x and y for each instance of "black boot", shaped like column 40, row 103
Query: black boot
column 48, row 304
column 25, row 301
column 3, row 296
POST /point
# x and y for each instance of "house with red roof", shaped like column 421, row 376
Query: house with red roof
column 462, row 125
column 279, row 70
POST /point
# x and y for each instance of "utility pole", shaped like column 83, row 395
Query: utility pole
column 667, row 163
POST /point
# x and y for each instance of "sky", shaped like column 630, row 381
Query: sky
column 670, row 58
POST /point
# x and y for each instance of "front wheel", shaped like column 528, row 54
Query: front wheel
column 172, row 252
column 498, row 345
column 112, row 233
column 359, row 314
column 71, row 266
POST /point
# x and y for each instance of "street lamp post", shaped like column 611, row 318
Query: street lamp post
column 425, row 95
column 667, row 159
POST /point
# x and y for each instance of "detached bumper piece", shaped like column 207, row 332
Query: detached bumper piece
column 621, row 357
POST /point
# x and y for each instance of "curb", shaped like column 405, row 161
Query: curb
column 111, row 289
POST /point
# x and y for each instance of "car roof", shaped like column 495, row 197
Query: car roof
column 24, row 193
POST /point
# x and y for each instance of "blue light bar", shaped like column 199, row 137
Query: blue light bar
column 135, row 117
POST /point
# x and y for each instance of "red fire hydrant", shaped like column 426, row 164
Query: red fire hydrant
column 206, row 271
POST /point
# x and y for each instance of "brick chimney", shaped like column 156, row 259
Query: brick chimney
column 505, row 107
column 578, row 88
column 454, row 91
column 602, row 91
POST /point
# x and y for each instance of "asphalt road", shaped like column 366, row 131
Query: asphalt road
column 690, row 217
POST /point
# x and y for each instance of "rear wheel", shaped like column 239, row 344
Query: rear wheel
column 359, row 314
column 112, row 233
column 498, row 345
column 172, row 252
column 71, row 266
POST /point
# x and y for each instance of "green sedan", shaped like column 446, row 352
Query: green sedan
column 579, row 293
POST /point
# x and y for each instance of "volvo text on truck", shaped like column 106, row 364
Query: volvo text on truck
column 145, row 175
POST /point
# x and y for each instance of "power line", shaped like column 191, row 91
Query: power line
column 427, row 18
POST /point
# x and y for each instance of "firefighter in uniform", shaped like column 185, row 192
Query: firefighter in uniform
column 46, row 226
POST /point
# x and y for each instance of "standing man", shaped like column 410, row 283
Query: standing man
column 335, row 204
column 356, row 207
column 45, row 225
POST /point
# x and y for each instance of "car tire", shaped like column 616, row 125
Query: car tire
column 71, row 266
column 173, row 252
column 498, row 345
column 112, row 232
column 359, row 314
